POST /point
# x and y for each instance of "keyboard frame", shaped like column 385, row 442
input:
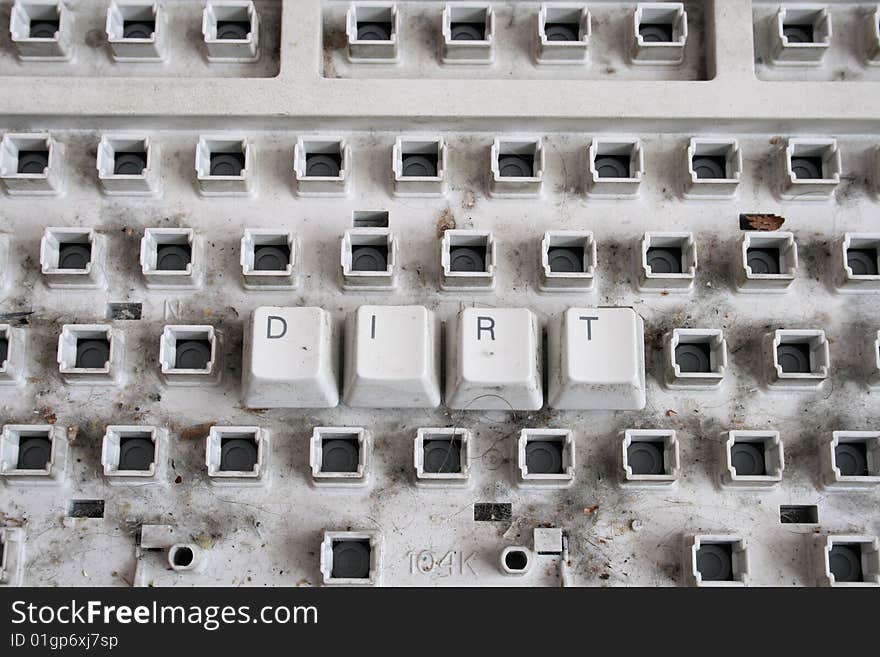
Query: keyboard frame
column 272, row 535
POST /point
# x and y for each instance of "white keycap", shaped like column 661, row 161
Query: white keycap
column 392, row 358
column 597, row 360
column 290, row 359
column 494, row 360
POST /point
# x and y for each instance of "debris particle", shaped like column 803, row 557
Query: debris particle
column 178, row 480
column 17, row 318
column 762, row 222
column 48, row 415
column 513, row 532
column 590, row 510
column 197, row 431
column 445, row 222
column 204, row 541
column 671, row 413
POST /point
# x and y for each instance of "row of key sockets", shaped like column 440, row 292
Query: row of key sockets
column 42, row 30
column 442, row 457
column 800, row 34
column 341, row 458
column 614, row 167
column 663, row 262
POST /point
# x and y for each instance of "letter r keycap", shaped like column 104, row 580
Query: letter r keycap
column 494, row 360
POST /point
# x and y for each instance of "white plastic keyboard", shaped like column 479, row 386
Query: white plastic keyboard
column 428, row 293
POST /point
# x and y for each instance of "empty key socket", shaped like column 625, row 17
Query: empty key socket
column 31, row 164
column 751, row 459
column 369, row 259
column 659, row 33
column 231, row 29
column 351, row 558
column 91, row 354
column 372, row 31
column 225, row 167
column 237, row 456
column 340, row 456
column 133, row 454
column 128, row 166
column 797, row 359
column 615, row 168
column 800, row 35
column 322, row 167
column 172, row 258
column 767, row 262
column 564, row 31
column 568, row 261
column 856, row 257
column 189, row 355
column 810, row 169
column 269, row 259
column 715, row 560
column 468, row 260
column 42, row 30
column 13, row 355
column 545, row 458
column 649, row 458
column 136, row 31
column 468, row 31
column 441, row 457
column 72, row 258
column 419, row 167
column 695, row 358
column 847, row 560
column 850, row 460
column 713, row 168
column 517, row 168
column 33, row 454
column 667, row 262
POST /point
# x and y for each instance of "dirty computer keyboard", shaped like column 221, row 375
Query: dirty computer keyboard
column 428, row 293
